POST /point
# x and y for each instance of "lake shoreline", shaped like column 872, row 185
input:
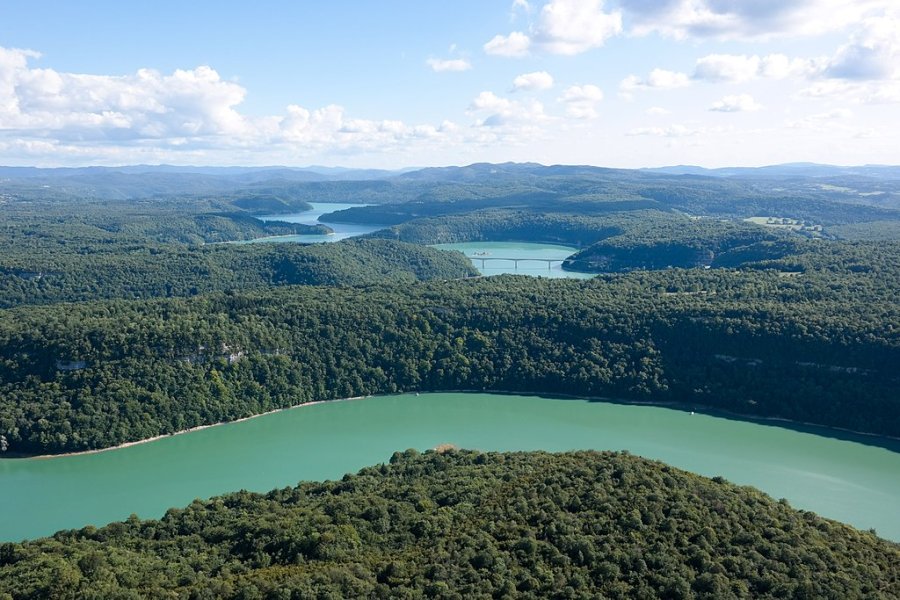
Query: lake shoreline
column 20, row 456
column 712, row 411
column 818, row 429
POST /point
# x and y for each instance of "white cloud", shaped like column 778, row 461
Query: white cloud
column 489, row 101
column 856, row 92
column 509, row 116
column 574, row 26
column 328, row 126
column 746, row 19
column 454, row 64
column 538, row 80
column 888, row 93
column 13, row 62
column 666, row 80
column 672, row 131
column 148, row 115
column 514, row 45
column 566, row 27
column 522, row 5
column 656, row 111
column 872, row 53
column 147, row 104
column 658, row 79
column 821, row 121
column 866, row 134
column 865, row 70
column 831, row 88
column 737, row 103
column 738, row 68
column 581, row 101
column 779, row 66
column 727, row 67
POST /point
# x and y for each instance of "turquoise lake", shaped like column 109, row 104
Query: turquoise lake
column 844, row 480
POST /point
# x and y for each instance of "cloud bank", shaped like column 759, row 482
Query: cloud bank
column 191, row 111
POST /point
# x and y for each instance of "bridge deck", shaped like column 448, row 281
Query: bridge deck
column 516, row 261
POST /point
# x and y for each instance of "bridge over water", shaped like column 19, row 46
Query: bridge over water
column 516, row 261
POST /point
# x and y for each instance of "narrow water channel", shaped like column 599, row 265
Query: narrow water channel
column 318, row 214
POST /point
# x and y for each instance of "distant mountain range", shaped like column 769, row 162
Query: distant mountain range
column 785, row 171
column 452, row 173
column 877, row 186
column 247, row 174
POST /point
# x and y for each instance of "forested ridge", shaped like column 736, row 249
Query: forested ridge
column 834, row 200
column 654, row 240
column 815, row 347
column 173, row 270
column 463, row 524
column 588, row 191
column 620, row 241
column 53, row 251
column 102, row 234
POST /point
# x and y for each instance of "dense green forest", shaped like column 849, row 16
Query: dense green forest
column 877, row 230
column 463, row 524
column 820, row 346
column 173, row 270
column 685, row 243
column 620, row 241
column 779, row 326
column 79, row 235
column 51, row 252
column 511, row 225
column 829, row 198
column 595, row 191
column 45, row 226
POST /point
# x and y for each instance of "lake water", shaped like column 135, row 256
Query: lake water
column 318, row 214
column 476, row 251
column 485, row 256
column 844, row 480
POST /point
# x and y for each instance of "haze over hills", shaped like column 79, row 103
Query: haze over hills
column 787, row 170
column 868, row 184
column 466, row 173
column 323, row 173
column 313, row 173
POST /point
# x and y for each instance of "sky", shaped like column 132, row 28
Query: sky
column 400, row 83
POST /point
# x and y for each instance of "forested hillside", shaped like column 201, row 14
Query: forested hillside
column 582, row 190
column 463, row 524
column 817, row 347
column 827, row 196
column 122, row 240
column 779, row 326
column 178, row 271
column 511, row 225
column 621, row 241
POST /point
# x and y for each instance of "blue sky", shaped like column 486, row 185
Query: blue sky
column 625, row 83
